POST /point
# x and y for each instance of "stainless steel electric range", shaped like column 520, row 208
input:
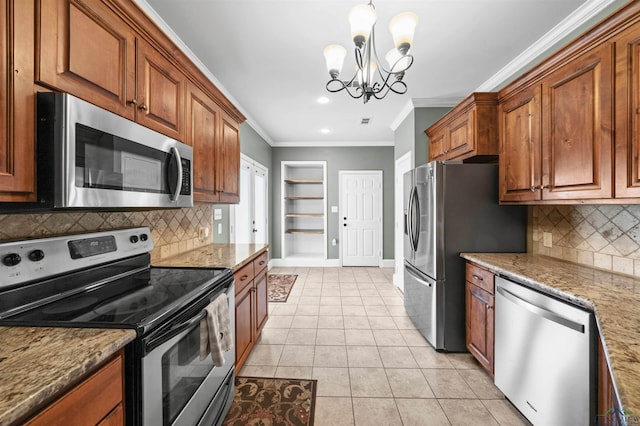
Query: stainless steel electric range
column 105, row 280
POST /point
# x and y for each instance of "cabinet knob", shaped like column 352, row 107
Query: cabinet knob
column 244, row 277
column 477, row 277
column 488, row 306
column 143, row 107
column 133, row 102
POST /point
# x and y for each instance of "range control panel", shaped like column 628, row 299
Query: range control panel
column 24, row 261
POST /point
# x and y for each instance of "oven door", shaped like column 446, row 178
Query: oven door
column 177, row 387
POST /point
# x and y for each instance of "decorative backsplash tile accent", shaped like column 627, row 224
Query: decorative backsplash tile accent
column 602, row 236
column 173, row 231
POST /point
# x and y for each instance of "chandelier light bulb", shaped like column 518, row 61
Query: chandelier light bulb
column 334, row 55
column 361, row 18
column 397, row 61
column 402, row 28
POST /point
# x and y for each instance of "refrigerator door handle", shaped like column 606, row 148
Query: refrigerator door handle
column 412, row 271
column 416, row 210
column 409, row 217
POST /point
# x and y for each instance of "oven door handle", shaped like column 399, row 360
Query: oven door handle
column 155, row 341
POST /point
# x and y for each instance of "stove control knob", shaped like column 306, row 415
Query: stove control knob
column 133, row 239
column 36, row 255
column 12, row 259
column 144, row 237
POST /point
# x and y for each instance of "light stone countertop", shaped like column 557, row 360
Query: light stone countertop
column 614, row 298
column 38, row 364
column 233, row 256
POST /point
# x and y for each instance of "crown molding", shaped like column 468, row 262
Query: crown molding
column 412, row 104
column 579, row 17
column 153, row 15
column 331, row 144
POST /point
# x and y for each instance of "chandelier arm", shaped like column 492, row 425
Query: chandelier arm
column 344, row 86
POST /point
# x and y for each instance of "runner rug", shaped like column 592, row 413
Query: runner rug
column 279, row 286
column 274, row 402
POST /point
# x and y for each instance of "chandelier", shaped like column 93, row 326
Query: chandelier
column 371, row 78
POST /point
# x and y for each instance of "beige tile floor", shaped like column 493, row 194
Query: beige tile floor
column 347, row 328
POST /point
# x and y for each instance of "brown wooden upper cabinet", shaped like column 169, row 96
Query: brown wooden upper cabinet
column 556, row 135
column 214, row 137
column 85, row 49
column 468, row 130
column 17, row 120
column 627, row 147
column 228, row 161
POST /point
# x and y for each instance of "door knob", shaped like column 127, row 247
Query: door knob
column 254, row 230
column 344, row 224
column 345, row 218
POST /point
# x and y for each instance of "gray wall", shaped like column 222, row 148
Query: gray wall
column 351, row 158
column 410, row 135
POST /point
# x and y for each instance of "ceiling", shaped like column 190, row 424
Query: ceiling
column 267, row 57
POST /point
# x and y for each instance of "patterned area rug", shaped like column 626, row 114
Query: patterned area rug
column 272, row 402
column 279, row 286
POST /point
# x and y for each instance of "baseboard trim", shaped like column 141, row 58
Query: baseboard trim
column 306, row 263
column 388, row 263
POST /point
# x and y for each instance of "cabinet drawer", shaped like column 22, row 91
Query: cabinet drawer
column 89, row 402
column 480, row 277
column 244, row 276
column 261, row 262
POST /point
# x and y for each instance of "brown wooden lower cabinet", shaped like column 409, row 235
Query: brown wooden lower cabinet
column 98, row 400
column 479, row 301
column 608, row 410
column 252, row 309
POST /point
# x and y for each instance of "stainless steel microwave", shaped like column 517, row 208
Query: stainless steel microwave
column 88, row 157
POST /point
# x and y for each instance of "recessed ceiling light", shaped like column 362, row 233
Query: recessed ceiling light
column 325, row 130
column 323, row 100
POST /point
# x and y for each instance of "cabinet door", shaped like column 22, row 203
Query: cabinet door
column 228, row 161
column 437, row 145
column 627, row 172
column 160, row 92
column 577, row 131
column 88, row 51
column 479, row 319
column 262, row 308
column 203, row 117
column 520, row 151
column 17, row 102
column 461, row 136
column 244, row 325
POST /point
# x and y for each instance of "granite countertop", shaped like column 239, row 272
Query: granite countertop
column 39, row 364
column 233, row 256
column 614, row 298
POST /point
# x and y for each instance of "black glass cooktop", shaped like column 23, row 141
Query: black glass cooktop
column 138, row 301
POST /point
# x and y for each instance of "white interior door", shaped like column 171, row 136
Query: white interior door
column 361, row 217
column 403, row 165
column 250, row 216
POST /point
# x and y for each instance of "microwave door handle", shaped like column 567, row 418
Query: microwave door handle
column 176, row 157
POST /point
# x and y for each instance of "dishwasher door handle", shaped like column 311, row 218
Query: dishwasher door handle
column 551, row 316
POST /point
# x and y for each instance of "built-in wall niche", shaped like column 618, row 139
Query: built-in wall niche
column 304, row 207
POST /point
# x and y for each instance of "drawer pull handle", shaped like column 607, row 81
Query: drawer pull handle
column 244, row 277
column 477, row 277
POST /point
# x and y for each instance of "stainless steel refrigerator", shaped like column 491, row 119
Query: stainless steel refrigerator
column 449, row 208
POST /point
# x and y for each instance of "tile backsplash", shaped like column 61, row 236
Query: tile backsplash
column 173, row 231
column 602, row 236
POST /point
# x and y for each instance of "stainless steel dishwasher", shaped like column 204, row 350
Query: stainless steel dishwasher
column 544, row 356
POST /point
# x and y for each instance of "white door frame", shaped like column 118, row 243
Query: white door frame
column 341, row 173
column 232, row 208
column 402, row 165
